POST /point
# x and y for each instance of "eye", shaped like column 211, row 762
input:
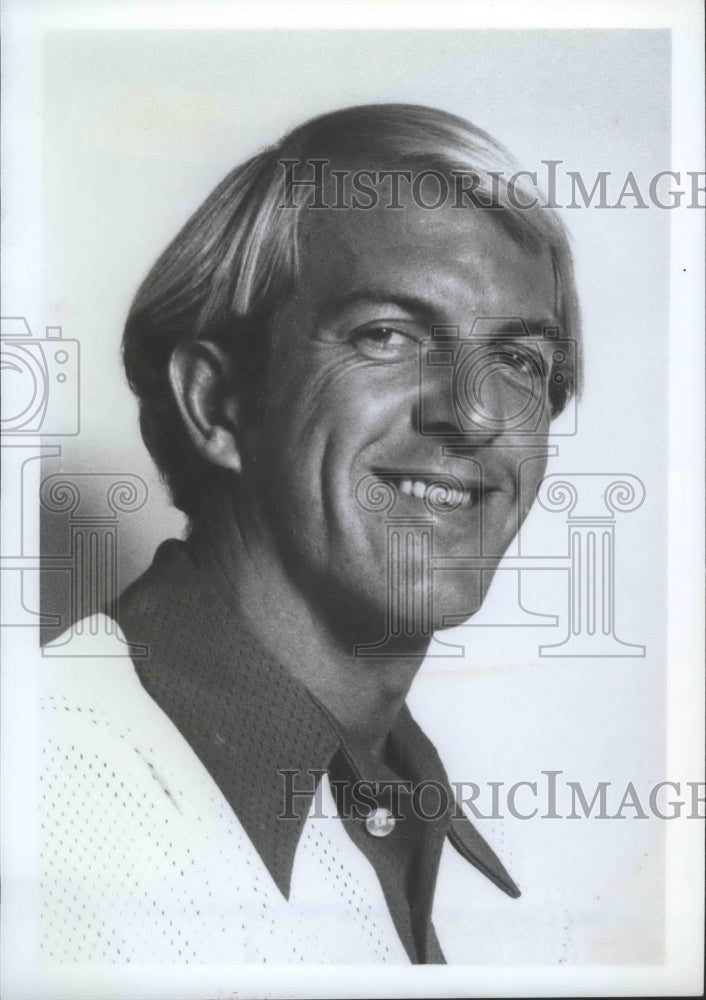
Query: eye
column 518, row 360
column 383, row 342
column 524, row 360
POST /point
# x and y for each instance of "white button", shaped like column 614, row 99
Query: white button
column 380, row 823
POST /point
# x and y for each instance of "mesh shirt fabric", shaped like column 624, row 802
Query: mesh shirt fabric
column 145, row 862
column 144, row 858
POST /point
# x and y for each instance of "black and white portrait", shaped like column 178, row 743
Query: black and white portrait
column 344, row 429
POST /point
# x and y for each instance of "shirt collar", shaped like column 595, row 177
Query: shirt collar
column 249, row 719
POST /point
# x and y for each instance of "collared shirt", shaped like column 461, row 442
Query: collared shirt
column 258, row 730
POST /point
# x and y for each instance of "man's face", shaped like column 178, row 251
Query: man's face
column 354, row 403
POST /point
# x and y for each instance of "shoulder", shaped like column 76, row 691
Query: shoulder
column 90, row 691
column 95, row 704
column 133, row 827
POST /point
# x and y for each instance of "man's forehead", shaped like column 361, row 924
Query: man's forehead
column 371, row 215
column 412, row 250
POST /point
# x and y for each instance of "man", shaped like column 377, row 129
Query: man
column 346, row 368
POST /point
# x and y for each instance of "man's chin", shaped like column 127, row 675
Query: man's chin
column 406, row 624
column 458, row 597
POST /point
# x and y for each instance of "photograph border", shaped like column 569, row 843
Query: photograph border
column 682, row 972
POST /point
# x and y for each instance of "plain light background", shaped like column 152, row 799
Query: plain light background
column 137, row 128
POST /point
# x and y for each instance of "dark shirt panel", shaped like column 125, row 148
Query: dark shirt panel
column 255, row 727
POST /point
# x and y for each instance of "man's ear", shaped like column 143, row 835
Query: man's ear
column 201, row 377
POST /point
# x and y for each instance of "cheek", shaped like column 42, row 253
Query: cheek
column 531, row 469
column 331, row 397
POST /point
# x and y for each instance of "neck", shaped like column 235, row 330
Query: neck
column 364, row 694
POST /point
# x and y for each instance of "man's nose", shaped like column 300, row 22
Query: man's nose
column 467, row 400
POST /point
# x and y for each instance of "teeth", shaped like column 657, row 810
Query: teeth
column 418, row 488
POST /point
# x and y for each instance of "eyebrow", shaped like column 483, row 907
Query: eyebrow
column 414, row 304
column 532, row 327
column 428, row 311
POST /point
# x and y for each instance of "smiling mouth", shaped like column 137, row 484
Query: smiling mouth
column 440, row 491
